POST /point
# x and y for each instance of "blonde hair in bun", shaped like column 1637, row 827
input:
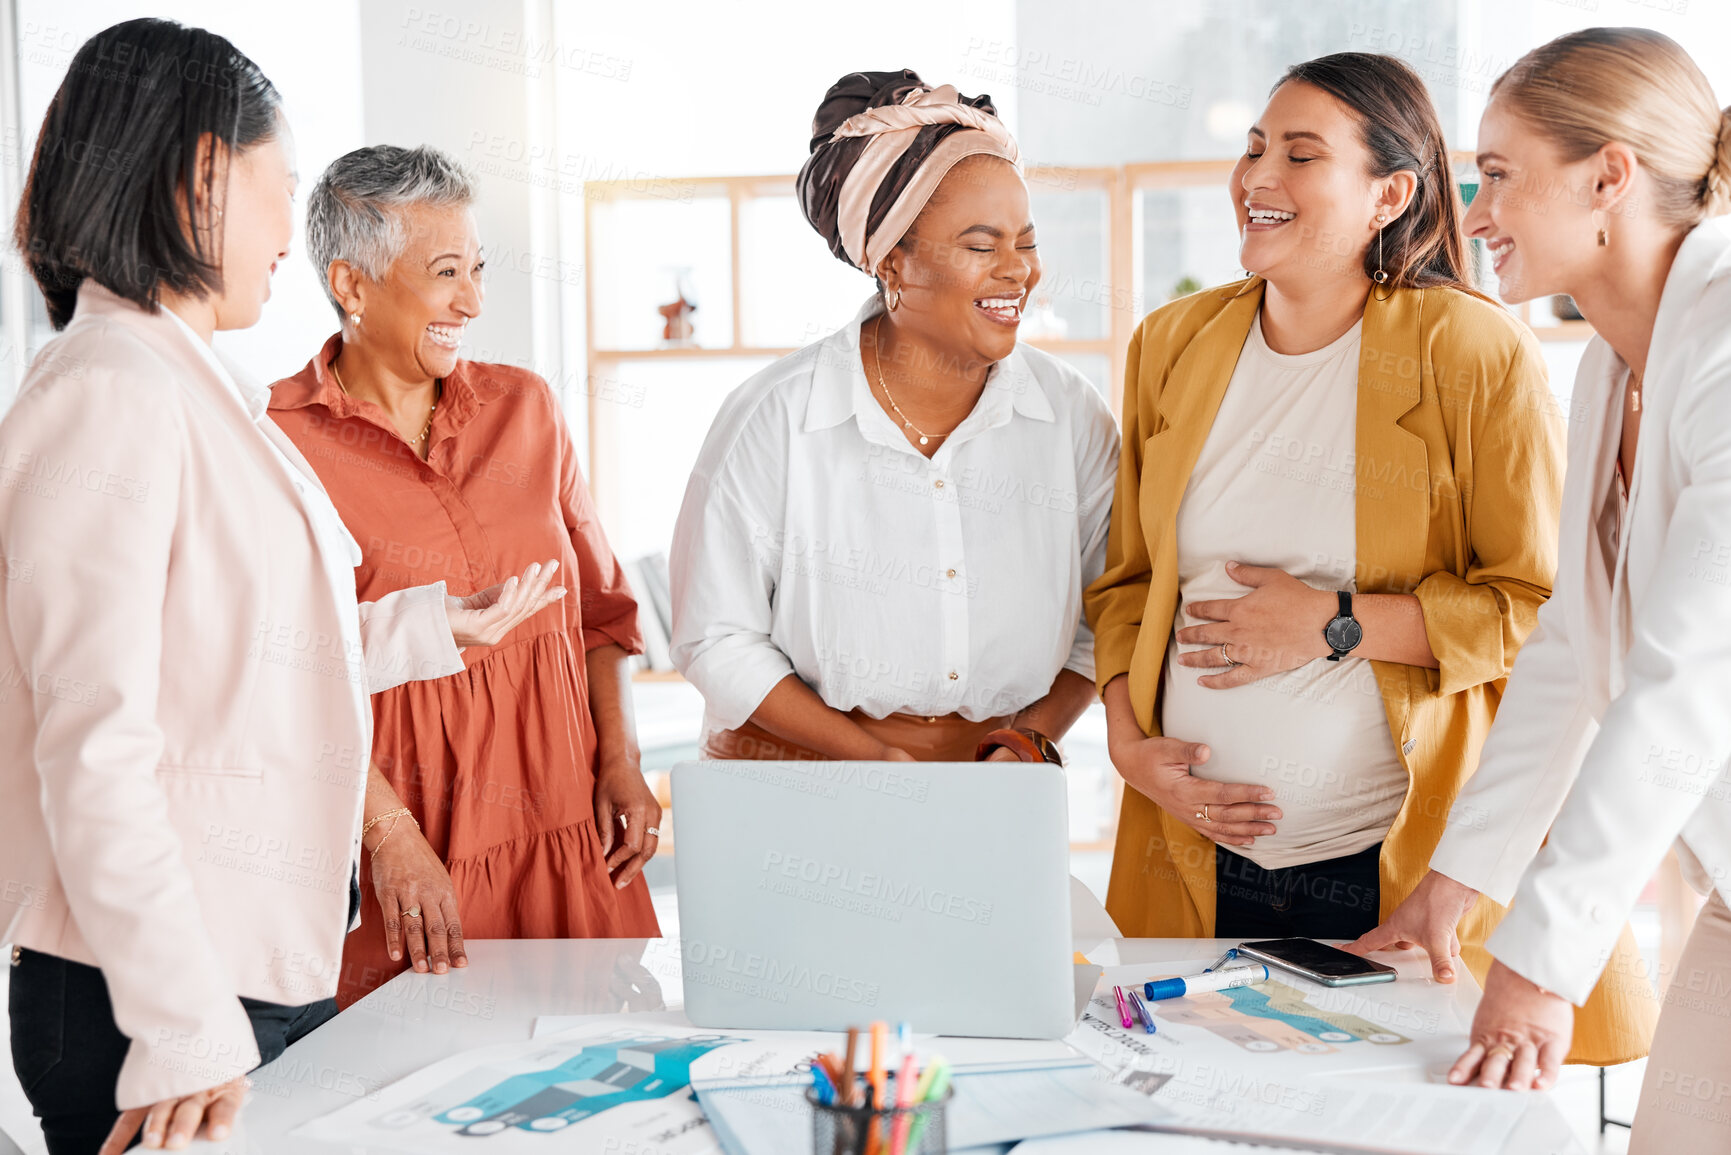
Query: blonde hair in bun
column 1589, row 88
column 1718, row 192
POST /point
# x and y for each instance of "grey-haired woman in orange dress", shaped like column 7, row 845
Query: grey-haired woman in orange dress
column 522, row 771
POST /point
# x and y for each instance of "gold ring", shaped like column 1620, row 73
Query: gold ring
column 1204, row 814
column 413, row 911
column 1502, row 1049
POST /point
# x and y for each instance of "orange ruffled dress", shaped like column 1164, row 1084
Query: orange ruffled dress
column 497, row 762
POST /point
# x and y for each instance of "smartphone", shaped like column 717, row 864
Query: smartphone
column 1317, row 961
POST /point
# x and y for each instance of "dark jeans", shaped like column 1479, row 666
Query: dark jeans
column 67, row 1050
column 1334, row 898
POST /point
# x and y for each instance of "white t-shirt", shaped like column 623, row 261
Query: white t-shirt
column 1274, row 486
column 815, row 540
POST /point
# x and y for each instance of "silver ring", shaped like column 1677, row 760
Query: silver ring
column 413, row 911
column 652, row 830
column 1226, row 657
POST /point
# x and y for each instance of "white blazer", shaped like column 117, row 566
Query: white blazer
column 1616, row 727
column 183, row 754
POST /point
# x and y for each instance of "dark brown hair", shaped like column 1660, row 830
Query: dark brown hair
column 119, row 141
column 1423, row 247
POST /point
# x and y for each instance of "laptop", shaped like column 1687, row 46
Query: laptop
column 823, row 895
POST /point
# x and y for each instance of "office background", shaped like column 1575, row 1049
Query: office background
column 632, row 154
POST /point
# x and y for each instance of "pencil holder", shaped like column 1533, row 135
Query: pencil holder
column 917, row 1129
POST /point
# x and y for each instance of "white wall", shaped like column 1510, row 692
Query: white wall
column 461, row 75
column 1501, row 30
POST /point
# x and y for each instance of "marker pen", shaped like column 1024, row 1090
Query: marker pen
column 1221, row 980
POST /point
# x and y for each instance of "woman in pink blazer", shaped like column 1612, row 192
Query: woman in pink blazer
column 184, row 727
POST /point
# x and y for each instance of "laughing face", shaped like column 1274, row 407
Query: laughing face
column 1303, row 193
column 1534, row 212
column 966, row 268
column 415, row 315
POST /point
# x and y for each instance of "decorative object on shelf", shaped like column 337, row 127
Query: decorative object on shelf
column 677, row 331
column 1565, row 308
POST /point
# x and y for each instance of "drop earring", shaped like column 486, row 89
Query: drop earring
column 1599, row 221
column 1381, row 274
column 354, row 319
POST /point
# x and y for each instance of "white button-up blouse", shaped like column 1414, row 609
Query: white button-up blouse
column 814, row 540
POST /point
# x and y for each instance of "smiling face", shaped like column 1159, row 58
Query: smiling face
column 258, row 223
column 966, row 268
column 413, row 317
column 1533, row 211
column 1303, row 194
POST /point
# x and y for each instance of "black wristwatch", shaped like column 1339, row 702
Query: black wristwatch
column 1343, row 633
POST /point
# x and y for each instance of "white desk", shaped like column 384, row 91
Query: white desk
column 417, row 1019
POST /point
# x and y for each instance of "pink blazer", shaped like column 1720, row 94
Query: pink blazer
column 182, row 759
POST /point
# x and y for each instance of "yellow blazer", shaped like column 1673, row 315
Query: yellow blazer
column 1459, row 466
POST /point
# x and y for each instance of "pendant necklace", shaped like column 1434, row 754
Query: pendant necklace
column 878, row 362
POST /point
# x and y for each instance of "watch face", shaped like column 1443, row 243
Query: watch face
column 1343, row 634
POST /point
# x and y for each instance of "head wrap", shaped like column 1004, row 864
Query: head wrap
column 881, row 144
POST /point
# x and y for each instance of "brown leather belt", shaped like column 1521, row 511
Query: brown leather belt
column 942, row 738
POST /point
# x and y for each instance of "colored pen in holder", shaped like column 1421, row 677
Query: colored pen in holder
column 915, row 1129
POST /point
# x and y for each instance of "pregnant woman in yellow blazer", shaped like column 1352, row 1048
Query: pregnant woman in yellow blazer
column 1335, row 521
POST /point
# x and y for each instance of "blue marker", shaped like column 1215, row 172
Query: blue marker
column 1231, row 953
column 821, row 1084
column 1141, row 1009
column 1222, row 980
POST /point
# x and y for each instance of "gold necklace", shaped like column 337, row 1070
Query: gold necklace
column 425, row 429
column 878, row 363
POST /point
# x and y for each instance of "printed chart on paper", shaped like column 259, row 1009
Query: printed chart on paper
column 1294, row 1026
column 614, row 1085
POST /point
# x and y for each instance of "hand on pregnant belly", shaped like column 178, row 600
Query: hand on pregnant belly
column 1230, row 813
column 1275, row 627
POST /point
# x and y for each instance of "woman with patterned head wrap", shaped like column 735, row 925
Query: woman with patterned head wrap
column 884, row 543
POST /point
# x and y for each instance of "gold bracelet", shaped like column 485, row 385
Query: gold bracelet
column 390, row 830
column 397, row 813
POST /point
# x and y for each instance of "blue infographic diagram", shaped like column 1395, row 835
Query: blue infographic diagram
column 1275, row 1016
column 601, row 1075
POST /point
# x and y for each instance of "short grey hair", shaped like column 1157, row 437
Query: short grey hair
column 354, row 212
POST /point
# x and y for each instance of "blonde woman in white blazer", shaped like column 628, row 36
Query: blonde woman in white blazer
column 1601, row 155
column 184, row 724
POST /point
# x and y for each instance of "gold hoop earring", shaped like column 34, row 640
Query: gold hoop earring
column 892, row 302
